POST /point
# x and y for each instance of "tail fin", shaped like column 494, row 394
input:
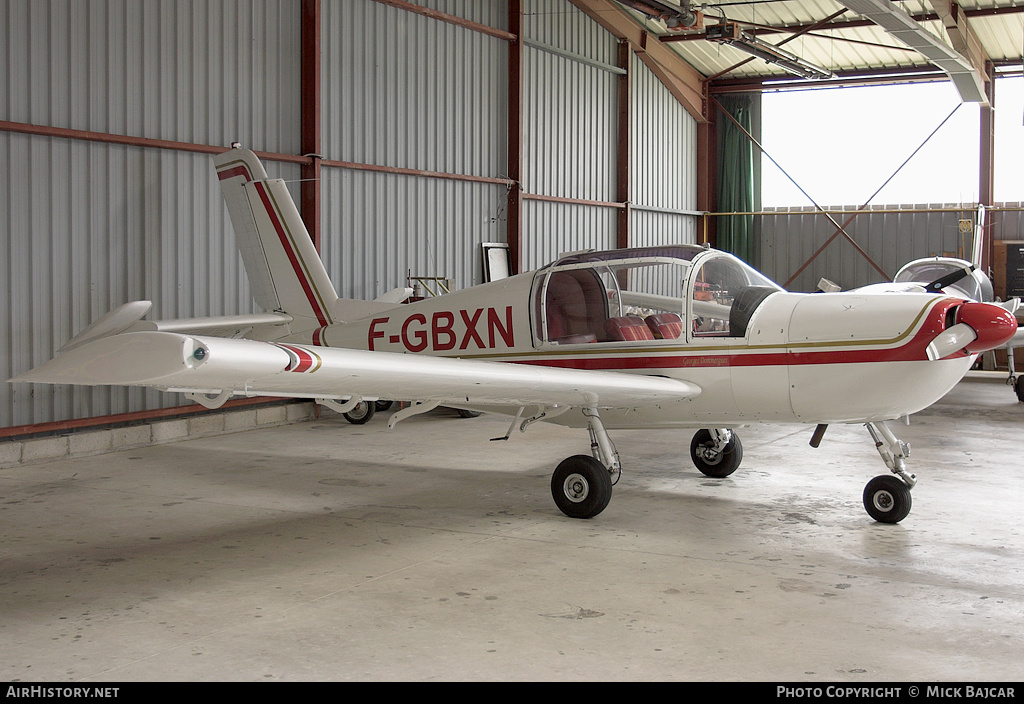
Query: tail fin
column 284, row 268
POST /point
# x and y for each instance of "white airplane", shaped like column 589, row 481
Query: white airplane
column 666, row 337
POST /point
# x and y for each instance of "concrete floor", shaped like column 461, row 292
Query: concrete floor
column 327, row 551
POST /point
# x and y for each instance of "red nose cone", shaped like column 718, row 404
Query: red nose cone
column 993, row 324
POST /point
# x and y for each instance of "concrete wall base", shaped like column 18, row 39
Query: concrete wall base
column 15, row 453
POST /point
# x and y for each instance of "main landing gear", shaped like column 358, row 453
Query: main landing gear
column 581, row 485
column 716, row 452
column 887, row 496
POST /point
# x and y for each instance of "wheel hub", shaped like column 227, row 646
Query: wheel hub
column 708, row 454
column 576, row 488
column 883, row 500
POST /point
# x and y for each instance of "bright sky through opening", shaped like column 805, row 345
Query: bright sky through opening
column 840, row 145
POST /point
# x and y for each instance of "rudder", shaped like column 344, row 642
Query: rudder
column 284, row 268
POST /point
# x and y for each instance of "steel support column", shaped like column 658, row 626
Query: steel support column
column 624, row 171
column 514, row 211
column 986, row 166
column 707, row 172
column 310, row 191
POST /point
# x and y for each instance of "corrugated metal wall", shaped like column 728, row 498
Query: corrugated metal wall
column 408, row 91
column 664, row 166
column 1009, row 224
column 87, row 226
column 90, row 225
column 570, row 117
column 201, row 72
column 569, row 131
column 890, row 237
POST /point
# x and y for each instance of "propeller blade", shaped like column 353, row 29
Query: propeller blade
column 948, row 280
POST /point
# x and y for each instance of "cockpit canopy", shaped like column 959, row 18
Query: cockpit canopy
column 640, row 294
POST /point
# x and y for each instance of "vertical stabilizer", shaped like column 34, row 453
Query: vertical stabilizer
column 284, row 268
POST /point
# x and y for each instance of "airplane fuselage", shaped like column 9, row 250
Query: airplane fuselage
column 808, row 358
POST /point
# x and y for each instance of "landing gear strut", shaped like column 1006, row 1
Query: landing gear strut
column 582, row 486
column 887, row 496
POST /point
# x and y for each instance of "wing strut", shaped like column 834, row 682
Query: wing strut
column 340, row 407
column 210, row 402
column 415, row 409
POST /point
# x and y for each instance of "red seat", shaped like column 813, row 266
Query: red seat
column 628, row 327
column 665, row 326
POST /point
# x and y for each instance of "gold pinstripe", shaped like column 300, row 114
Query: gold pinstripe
column 732, row 349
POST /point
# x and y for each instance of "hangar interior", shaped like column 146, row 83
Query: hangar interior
column 152, row 538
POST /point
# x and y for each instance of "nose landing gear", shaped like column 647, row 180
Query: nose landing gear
column 887, row 496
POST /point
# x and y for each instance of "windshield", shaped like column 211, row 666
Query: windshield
column 655, row 293
column 724, row 292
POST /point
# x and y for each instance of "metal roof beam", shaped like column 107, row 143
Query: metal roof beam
column 960, row 33
column 761, row 29
column 681, row 79
column 969, row 81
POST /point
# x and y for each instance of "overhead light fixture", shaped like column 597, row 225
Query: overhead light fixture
column 676, row 18
column 731, row 34
column 906, row 29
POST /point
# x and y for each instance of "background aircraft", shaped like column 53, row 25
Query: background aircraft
column 666, row 337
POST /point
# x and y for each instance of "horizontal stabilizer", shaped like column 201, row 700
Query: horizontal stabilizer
column 219, row 326
column 114, row 322
column 395, row 295
column 127, row 318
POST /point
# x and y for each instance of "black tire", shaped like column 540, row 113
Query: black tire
column 887, row 499
column 721, row 465
column 362, row 413
column 581, row 486
column 463, row 413
column 382, row 405
column 1018, row 386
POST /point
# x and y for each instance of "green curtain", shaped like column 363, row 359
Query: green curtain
column 736, row 174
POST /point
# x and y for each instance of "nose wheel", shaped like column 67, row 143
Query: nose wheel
column 887, row 499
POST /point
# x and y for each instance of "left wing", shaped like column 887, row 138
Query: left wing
column 211, row 365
